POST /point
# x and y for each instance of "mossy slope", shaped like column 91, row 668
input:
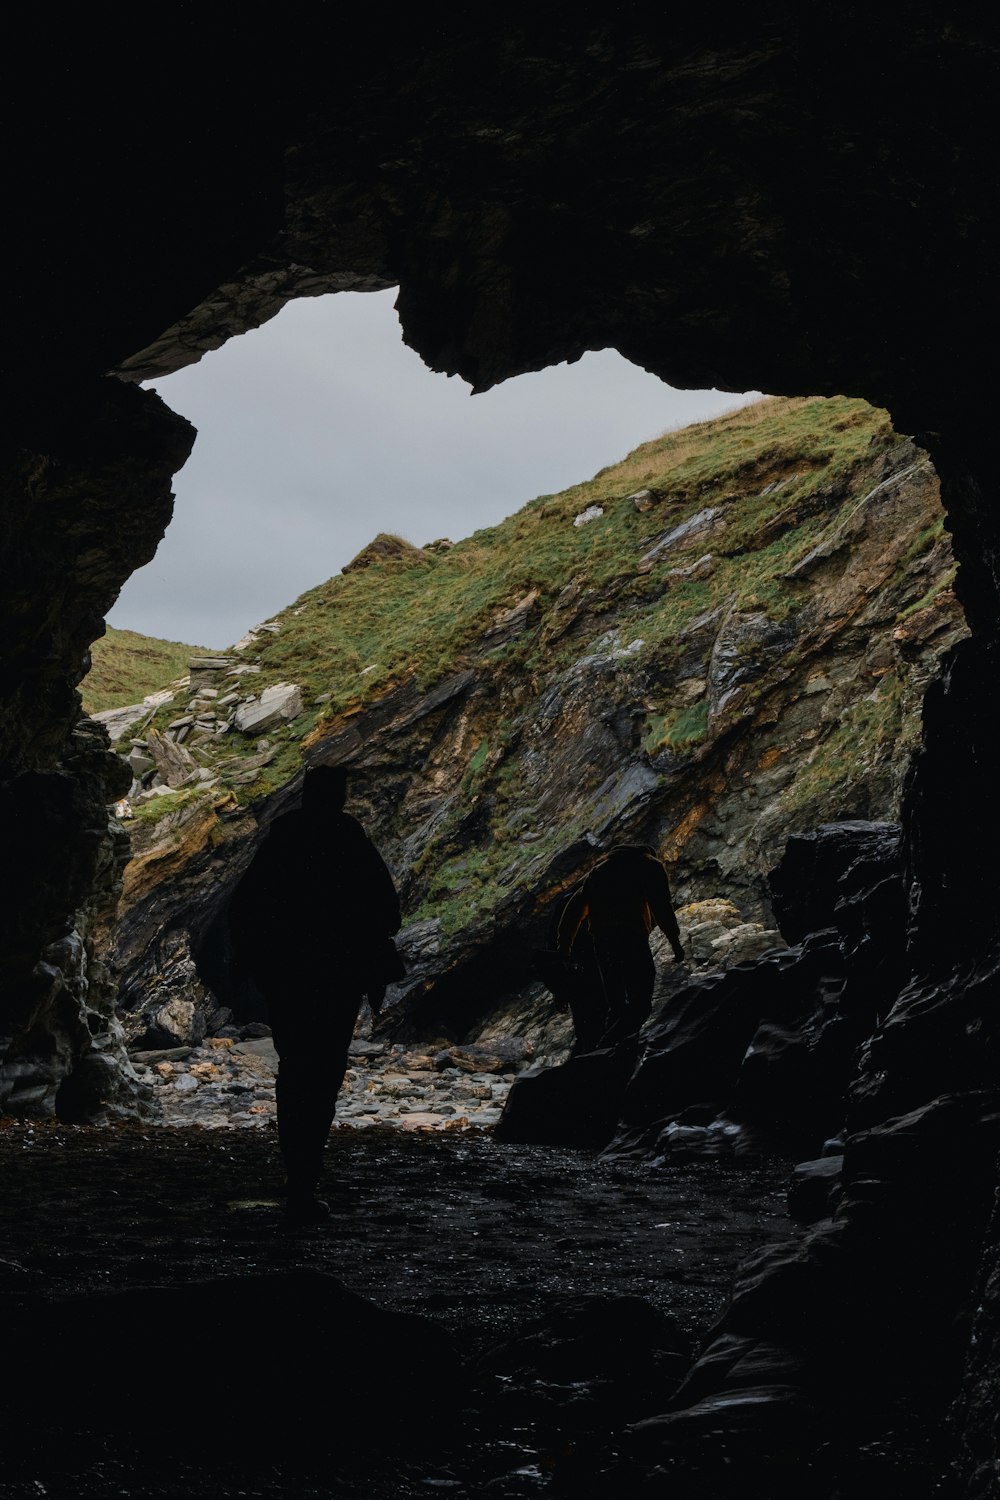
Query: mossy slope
column 126, row 666
column 736, row 654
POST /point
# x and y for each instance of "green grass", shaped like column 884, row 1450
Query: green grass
column 679, row 731
column 872, row 729
column 937, row 587
column 158, row 807
column 355, row 634
column 127, row 666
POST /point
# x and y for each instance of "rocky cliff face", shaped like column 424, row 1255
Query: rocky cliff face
column 613, row 663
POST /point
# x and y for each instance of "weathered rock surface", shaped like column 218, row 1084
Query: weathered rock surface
column 63, row 859
column 173, row 762
column 491, row 792
column 280, row 702
column 118, row 721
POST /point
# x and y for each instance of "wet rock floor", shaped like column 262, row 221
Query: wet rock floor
column 477, row 1238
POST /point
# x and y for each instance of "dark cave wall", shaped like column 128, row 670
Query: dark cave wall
column 87, row 500
column 800, row 201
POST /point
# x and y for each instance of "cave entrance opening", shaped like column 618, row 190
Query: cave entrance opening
column 704, row 656
column 751, row 664
column 318, row 432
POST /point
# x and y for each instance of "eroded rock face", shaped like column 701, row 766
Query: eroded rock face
column 491, row 793
column 754, row 1060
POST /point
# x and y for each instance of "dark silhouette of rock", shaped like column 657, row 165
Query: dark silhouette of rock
column 830, row 867
column 576, row 1104
column 306, row 1396
column 815, row 1189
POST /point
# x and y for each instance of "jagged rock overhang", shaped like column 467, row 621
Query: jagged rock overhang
column 725, row 203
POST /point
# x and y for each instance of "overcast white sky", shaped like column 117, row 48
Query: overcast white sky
column 321, row 429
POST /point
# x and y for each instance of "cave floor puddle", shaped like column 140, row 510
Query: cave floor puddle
column 477, row 1237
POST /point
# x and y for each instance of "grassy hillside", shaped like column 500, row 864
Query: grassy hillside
column 722, row 639
column 353, row 634
column 531, row 604
column 423, row 616
column 127, row 666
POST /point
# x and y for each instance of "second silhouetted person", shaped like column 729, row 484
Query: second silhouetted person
column 623, row 898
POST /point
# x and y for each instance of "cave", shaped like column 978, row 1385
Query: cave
column 788, row 201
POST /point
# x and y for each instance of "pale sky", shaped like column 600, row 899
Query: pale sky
column 322, row 428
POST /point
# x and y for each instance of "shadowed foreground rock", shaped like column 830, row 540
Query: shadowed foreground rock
column 575, row 1104
column 760, row 1056
column 305, row 1394
column 510, row 1309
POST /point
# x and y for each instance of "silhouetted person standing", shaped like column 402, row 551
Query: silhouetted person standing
column 313, row 920
column 623, row 898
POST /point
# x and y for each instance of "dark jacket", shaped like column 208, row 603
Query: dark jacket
column 317, row 893
column 624, row 897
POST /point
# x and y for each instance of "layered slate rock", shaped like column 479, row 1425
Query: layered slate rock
column 492, row 790
column 876, row 1300
column 63, row 857
column 276, row 704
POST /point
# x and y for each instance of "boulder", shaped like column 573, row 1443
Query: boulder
column 176, row 1023
column 576, row 1104
column 815, row 1188
column 117, row 721
column 834, row 864
column 94, row 1082
column 173, row 762
column 592, row 513
column 498, row 1057
column 140, row 764
column 344, row 1405
column 276, row 705
column 694, row 1051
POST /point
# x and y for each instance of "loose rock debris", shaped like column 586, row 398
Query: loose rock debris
column 229, row 1081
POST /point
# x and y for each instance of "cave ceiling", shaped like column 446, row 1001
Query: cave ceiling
column 794, row 202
